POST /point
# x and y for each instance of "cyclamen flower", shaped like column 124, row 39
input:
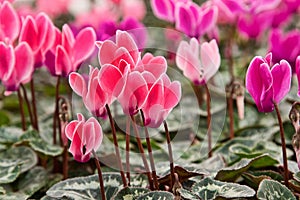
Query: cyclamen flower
column 85, row 136
column 93, row 96
column 267, row 83
column 198, row 69
column 193, row 20
column 39, row 33
column 285, row 45
column 124, row 48
column 9, row 23
column 69, row 52
column 163, row 96
column 16, row 65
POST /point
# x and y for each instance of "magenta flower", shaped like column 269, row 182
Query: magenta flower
column 163, row 96
column 85, row 136
column 193, row 20
column 285, row 45
column 124, row 48
column 39, row 33
column 267, row 83
column 16, row 65
column 69, row 52
column 198, row 67
column 297, row 70
column 9, row 23
column 93, row 96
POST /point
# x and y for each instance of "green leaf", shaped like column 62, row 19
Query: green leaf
column 10, row 135
column 155, row 195
column 86, row 187
column 40, row 145
column 9, row 170
column 270, row 189
column 186, row 194
column 27, row 185
column 34, row 180
column 130, row 193
column 297, row 176
column 235, row 171
column 23, row 156
column 211, row 189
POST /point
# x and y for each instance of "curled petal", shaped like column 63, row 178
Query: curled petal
column 77, row 83
column 124, row 39
column 9, row 20
column 282, row 75
column 63, row 65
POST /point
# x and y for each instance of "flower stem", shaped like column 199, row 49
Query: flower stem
column 116, row 146
column 33, row 101
column 152, row 165
column 172, row 177
column 198, row 92
column 141, row 149
column 208, row 120
column 102, row 190
column 28, row 105
column 55, row 115
column 128, row 149
column 284, row 157
column 22, row 110
column 65, row 162
column 230, row 113
column 55, row 121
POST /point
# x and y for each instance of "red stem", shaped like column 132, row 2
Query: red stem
column 172, row 176
column 116, row 145
column 128, row 149
column 22, row 111
column 283, row 146
column 141, row 149
column 102, row 190
column 208, row 120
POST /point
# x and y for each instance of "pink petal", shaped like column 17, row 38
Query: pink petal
column 297, row 73
column 94, row 129
column 157, row 66
column 123, row 54
column 67, row 39
column 24, row 66
column 124, row 39
column 208, row 20
column 63, row 64
column 111, row 79
column 84, row 45
column 282, row 74
column 185, row 20
column 29, row 33
column 77, row 83
column 107, row 52
column 134, row 94
column 7, row 61
column 46, row 30
column 172, row 95
column 71, row 128
column 9, row 20
column 210, row 58
column 163, row 9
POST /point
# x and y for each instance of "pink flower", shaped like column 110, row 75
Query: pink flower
column 16, row 65
column 165, row 9
column 268, row 83
column 156, row 65
column 124, row 48
column 134, row 93
column 69, row 51
column 127, row 7
column 198, row 69
column 193, row 20
column 39, row 33
column 163, row 96
column 93, row 96
column 285, row 45
column 85, row 136
column 9, row 23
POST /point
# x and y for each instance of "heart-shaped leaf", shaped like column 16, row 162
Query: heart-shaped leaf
column 157, row 195
column 270, row 189
column 211, row 189
column 130, row 193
